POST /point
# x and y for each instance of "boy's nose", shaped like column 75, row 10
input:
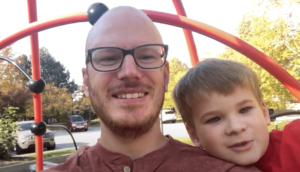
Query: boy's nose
column 235, row 126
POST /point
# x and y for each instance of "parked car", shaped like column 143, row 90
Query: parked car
column 76, row 122
column 25, row 139
column 168, row 116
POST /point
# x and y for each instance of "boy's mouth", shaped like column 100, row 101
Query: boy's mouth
column 241, row 146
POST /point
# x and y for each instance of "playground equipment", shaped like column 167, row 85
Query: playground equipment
column 94, row 12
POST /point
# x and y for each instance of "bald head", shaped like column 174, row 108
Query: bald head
column 124, row 27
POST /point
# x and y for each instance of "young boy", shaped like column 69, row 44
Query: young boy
column 222, row 106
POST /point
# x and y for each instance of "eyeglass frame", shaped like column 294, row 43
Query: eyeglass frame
column 125, row 53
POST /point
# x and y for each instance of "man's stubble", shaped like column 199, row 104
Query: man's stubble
column 125, row 128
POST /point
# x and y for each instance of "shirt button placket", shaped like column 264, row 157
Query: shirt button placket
column 126, row 169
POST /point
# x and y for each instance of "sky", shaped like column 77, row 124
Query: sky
column 67, row 43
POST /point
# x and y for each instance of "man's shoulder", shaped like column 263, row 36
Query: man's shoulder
column 76, row 163
column 186, row 149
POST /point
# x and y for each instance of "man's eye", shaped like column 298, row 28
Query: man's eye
column 245, row 110
column 214, row 120
column 146, row 57
column 106, row 59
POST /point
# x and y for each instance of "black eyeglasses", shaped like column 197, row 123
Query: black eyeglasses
column 107, row 59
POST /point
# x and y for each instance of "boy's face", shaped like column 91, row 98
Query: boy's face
column 233, row 127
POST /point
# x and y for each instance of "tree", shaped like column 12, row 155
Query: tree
column 16, row 96
column 83, row 107
column 56, row 103
column 177, row 70
column 12, row 82
column 54, row 71
column 276, row 37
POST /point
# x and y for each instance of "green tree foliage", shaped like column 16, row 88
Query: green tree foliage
column 17, row 96
column 12, row 82
column 8, row 129
column 54, row 71
column 177, row 70
column 56, row 102
column 83, row 105
column 11, row 76
column 7, row 52
column 277, row 37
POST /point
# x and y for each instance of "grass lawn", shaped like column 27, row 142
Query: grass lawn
column 280, row 125
column 186, row 140
column 56, row 153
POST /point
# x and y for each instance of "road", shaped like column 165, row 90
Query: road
column 64, row 141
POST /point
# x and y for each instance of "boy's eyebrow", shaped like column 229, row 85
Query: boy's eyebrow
column 244, row 101
column 208, row 113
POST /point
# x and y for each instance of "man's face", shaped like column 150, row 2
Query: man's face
column 129, row 99
column 233, row 127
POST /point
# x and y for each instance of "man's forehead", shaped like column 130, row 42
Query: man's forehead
column 121, row 25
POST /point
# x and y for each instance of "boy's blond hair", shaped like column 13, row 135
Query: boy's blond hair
column 212, row 75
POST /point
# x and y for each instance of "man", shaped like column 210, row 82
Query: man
column 126, row 76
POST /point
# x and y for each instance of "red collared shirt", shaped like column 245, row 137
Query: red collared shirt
column 174, row 157
column 283, row 153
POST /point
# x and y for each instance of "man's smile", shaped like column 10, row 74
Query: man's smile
column 130, row 95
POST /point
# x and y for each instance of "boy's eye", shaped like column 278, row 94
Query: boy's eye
column 245, row 110
column 214, row 120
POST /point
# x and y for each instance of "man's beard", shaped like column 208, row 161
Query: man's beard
column 125, row 128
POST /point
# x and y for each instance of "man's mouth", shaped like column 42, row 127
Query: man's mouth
column 129, row 95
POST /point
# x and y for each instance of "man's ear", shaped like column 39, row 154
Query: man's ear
column 85, row 86
column 266, row 113
column 166, row 76
column 193, row 135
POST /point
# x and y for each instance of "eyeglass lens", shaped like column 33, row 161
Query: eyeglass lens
column 151, row 56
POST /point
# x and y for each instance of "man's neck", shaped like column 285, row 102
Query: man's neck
column 134, row 148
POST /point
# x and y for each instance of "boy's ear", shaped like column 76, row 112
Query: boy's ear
column 266, row 113
column 193, row 135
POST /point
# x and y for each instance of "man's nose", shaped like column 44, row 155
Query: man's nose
column 235, row 125
column 129, row 68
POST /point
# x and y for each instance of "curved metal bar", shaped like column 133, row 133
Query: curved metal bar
column 43, row 25
column 284, row 114
column 15, row 64
column 237, row 44
column 61, row 126
column 175, row 20
column 188, row 34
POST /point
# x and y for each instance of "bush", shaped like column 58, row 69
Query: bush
column 95, row 122
column 7, row 131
